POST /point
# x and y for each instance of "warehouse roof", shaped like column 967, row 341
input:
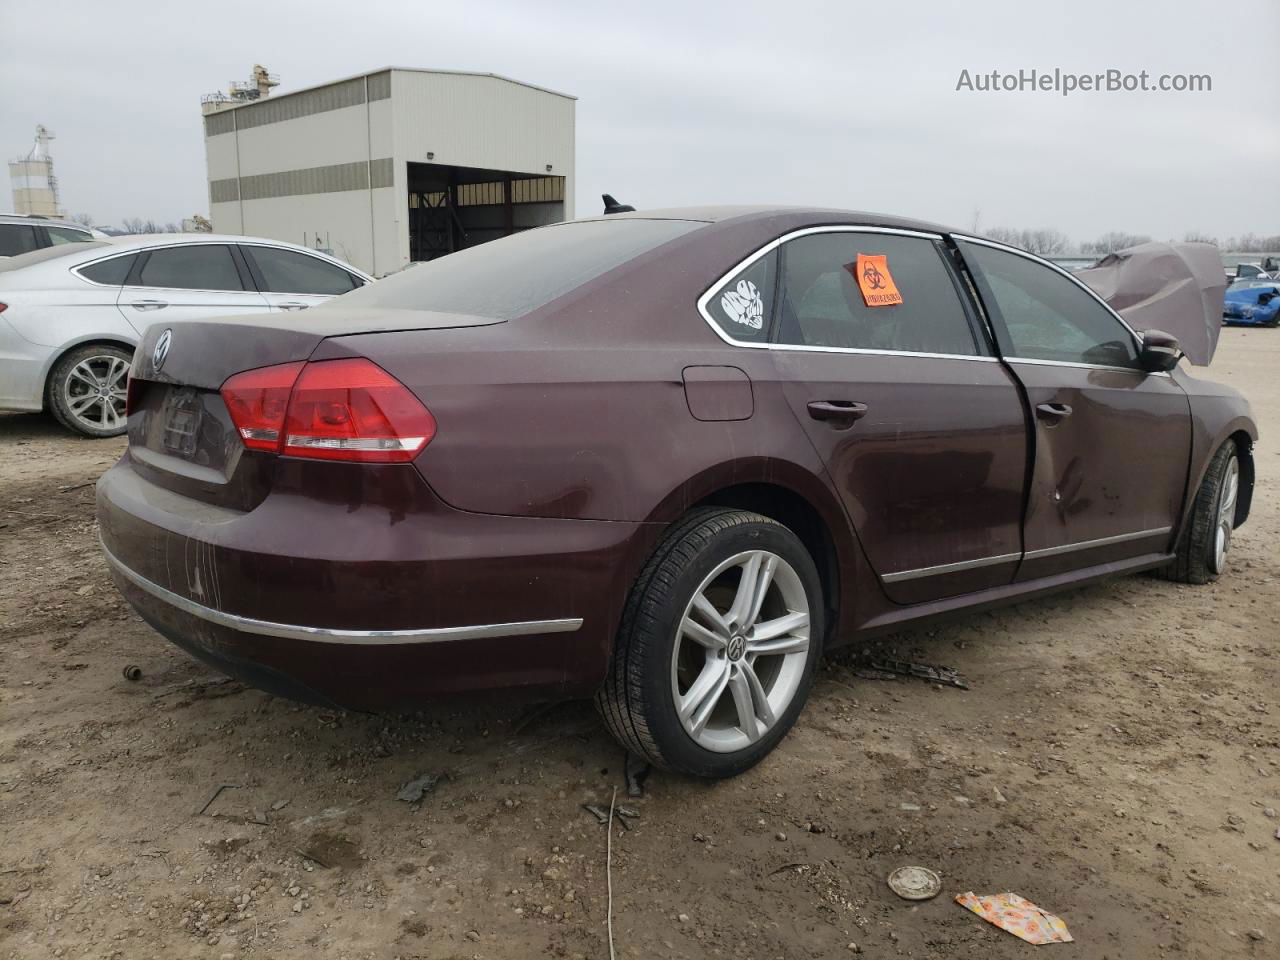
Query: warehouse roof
column 369, row 73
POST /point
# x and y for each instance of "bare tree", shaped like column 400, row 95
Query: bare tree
column 133, row 225
column 1113, row 241
column 1044, row 242
column 1252, row 243
column 1195, row 236
column 1047, row 242
column 81, row 218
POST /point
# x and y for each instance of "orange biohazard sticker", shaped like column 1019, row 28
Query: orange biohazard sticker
column 875, row 281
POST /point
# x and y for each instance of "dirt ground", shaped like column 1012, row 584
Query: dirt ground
column 1116, row 761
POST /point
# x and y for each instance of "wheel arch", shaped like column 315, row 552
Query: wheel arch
column 1244, row 454
column 791, row 495
column 1241, row 431
column 802, row 518
column 86, row 341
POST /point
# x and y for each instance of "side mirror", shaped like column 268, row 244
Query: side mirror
column 1159, row 352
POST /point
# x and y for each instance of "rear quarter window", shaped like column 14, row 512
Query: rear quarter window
column 742, row 306
column 110, row 272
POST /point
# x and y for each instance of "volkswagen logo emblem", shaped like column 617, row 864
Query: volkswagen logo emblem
column 162, row 349
column 737, row 647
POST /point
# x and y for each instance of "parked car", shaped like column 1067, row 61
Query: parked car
column 71, row 316
column 1253, row 303
column 664, row 458
column 19, row 234
column 1248, row 271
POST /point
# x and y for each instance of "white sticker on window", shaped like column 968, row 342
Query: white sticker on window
column 744, row 305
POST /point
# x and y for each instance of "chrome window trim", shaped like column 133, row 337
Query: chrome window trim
column 1101, row 542
column 805, row 348
column 327, row 635
column 945, row 568
column 1087, row 366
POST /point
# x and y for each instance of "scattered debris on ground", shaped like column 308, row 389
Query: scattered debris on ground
column 915, row 883
column 1021, row 917
column 945, row 676
column 419, row 787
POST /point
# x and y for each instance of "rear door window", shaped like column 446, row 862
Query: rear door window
column 1040, row 314
column 287, row 271
column 204, row 266
column 871, row 291
column 17, row 238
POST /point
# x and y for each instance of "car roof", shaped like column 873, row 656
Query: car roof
column 724, row 214
column 126, row 241
column 73, row 255
column 42, row 221
column 135, row 241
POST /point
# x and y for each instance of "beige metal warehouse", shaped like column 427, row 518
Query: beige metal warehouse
column 391, row 166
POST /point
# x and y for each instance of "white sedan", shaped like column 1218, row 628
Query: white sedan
column 71, row 315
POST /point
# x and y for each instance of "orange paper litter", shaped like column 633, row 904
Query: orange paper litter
column 1022, row 918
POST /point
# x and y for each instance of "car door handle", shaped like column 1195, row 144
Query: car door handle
column 838, row 413
column 292, row 305
column 1053, row 412
column 149, row 304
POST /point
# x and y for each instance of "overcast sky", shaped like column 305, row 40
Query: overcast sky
column 846, row 103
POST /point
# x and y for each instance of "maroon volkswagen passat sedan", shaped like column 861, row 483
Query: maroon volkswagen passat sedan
column 663, row 458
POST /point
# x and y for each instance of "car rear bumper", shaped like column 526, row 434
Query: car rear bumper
column 355, row 586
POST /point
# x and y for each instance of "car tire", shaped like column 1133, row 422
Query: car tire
column 705, row 678
column 1206, row 539
column 86, row 389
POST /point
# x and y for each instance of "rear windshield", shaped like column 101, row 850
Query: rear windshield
column 510, row 277
column 50, row 253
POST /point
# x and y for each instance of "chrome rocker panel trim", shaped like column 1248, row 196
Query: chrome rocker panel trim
column 964, row 565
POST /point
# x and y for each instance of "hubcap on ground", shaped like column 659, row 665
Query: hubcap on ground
column 95, row 391
column 740, row 651
column 1226, row 515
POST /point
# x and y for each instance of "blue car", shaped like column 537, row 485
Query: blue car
column 1252, row 302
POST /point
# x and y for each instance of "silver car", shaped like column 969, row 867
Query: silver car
column 22, row 234
column 71, row 315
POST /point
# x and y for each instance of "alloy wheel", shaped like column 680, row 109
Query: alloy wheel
column 94, row 391
column 740, row 651
column 1226, row 514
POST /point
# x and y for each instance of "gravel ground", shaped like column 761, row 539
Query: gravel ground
column 1116, row 761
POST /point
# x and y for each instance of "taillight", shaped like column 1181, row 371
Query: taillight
column 258, row 400
column 3, row 307
column 347, row 409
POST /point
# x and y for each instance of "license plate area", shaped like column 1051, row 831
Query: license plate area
column 180, row 423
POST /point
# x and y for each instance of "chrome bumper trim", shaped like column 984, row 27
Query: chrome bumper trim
column 325, row 635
